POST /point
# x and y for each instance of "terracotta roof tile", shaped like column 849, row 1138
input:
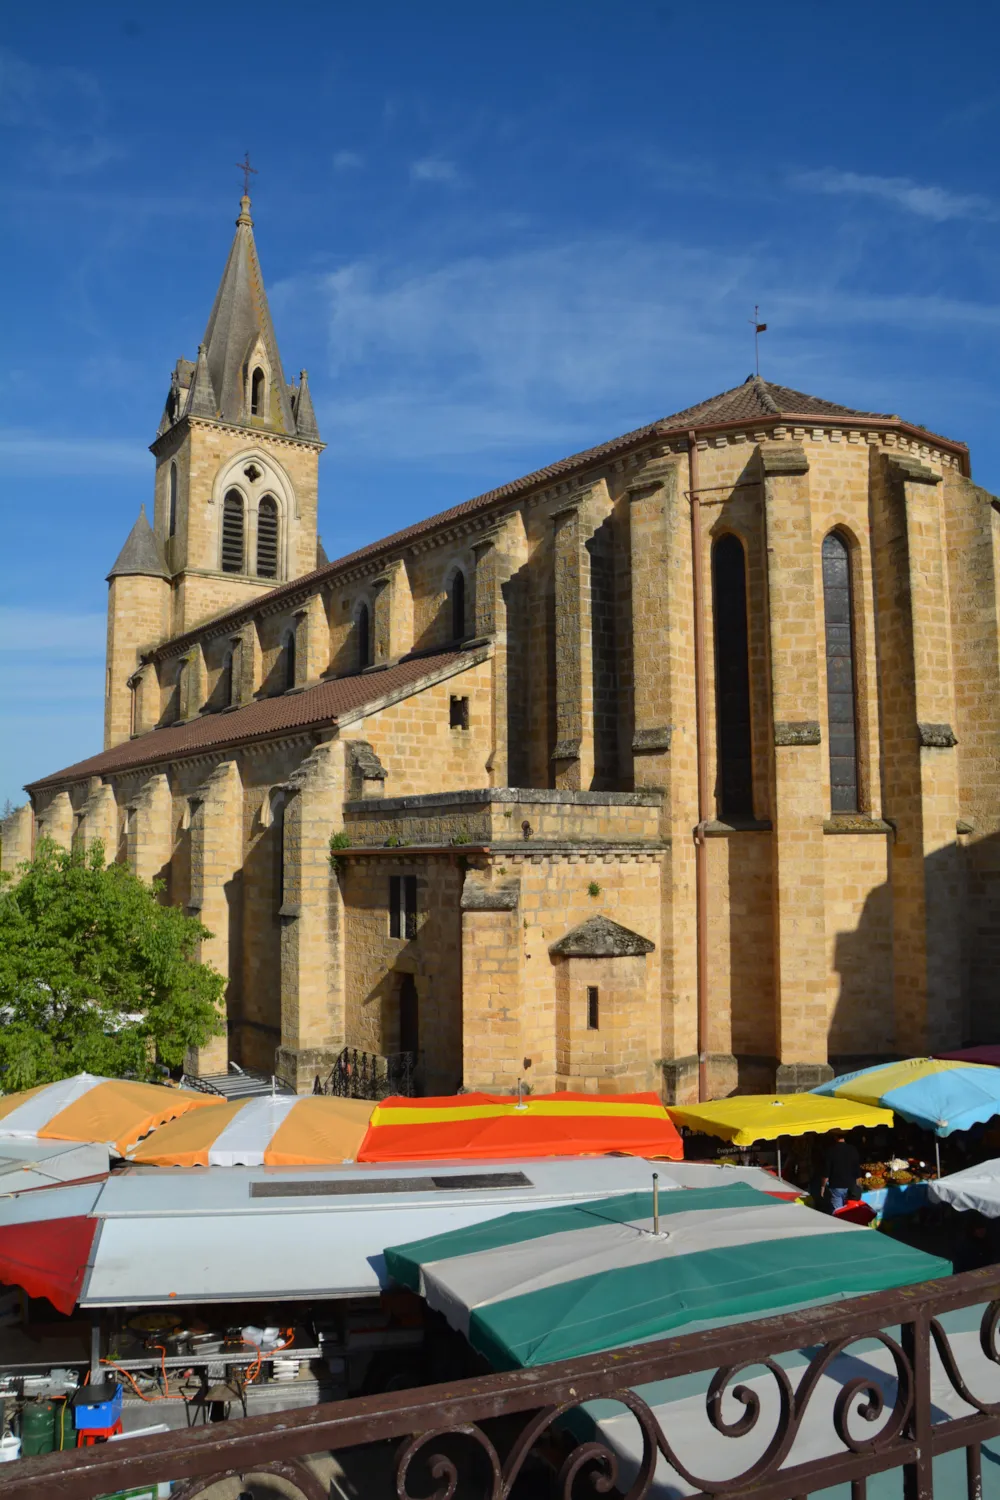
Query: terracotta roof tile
column 320, row 705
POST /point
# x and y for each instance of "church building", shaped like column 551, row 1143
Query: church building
column 673, row 765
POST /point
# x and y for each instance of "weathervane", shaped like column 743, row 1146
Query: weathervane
column 245, row 167
column 758, row 329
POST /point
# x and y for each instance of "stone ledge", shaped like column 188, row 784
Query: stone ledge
column 716, row 828
column 797, row 732
column 511, row 794
column 649, row 741
column 479, row 897
column 855, row 823
column 795, row 1078
column 566, row 750
column 790, row 458
column 912, row 469
column 936, row 736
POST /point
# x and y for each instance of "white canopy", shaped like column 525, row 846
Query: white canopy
column 974, row 1187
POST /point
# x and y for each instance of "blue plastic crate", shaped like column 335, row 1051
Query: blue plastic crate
column 90, row 1414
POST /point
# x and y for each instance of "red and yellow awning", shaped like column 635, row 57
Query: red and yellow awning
column 499, row 1126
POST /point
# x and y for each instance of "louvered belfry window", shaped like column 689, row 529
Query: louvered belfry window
column 232, row 532
column 732, row 678
column 840, row 696
column 267, row 538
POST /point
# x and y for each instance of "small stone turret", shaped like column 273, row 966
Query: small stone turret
column 138, row 615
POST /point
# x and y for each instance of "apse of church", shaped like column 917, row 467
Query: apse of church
column 672, row 765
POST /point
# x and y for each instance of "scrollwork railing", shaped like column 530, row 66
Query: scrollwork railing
column 793, row 1405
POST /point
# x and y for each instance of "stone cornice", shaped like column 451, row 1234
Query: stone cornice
column 281, row 438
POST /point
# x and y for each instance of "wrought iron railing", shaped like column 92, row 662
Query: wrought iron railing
column 367, row 1075
column 904, row 1431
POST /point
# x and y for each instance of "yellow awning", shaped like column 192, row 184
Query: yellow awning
column 763, row 1117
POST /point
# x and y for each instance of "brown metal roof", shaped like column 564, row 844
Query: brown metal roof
column 268, row 717
column 756, row 399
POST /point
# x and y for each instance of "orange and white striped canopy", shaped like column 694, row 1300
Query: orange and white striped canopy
column 277, row 1130
column 499, row 1126
column 116, row 1112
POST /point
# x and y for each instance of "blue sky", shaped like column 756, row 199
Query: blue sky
column 493, row 235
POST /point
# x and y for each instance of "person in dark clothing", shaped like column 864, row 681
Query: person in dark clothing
column 840, row 1173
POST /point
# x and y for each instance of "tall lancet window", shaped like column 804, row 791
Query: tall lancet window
column 173, row 500
column 732, row 679
column 364, row 636
column 288, row 663
column 267, row 538
column 456, row 594
column 840, row 692
column 232, row 532
column 257, row 393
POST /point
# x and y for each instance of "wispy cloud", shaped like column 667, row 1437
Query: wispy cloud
column 35, row 455
column 60, row 115
column 434, row 169
column 347, row 161
column 927, row 201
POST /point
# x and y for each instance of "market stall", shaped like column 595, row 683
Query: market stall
column 470, row 1126
column 116, row 1112
column 529, row 1288
column 747, row 1119
column 279, row 1130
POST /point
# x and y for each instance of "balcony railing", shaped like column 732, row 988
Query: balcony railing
column 368, row 1075
column 880, row 1420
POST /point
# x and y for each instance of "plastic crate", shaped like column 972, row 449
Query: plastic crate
column 103, row 1412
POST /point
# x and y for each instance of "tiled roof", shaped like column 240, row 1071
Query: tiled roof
column 320, row 705
column 755, row 399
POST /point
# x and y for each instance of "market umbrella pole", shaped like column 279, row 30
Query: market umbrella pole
column 656, row 1202
column 937, row 1154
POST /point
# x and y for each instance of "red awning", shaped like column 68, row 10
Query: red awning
column 987, row 1054
column 48, row 1258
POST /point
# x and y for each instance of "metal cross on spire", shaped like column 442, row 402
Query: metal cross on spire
column 758, row 329
column 245, row 167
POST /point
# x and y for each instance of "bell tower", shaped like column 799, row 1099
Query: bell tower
column 236, row 455
column 235, row 490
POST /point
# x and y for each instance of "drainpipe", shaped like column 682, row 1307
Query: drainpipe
column 704, row 811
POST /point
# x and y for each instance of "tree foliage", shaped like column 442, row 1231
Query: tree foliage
column 96, row 973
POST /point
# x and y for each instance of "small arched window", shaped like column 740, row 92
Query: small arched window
column 267, row 538
column 840, row 694
column 288, row 663
column 364, row 636
column 732, row 678
column 456, row 593
column 172, row 531
column 235, row 662
column 257, row 392
column 232, row 532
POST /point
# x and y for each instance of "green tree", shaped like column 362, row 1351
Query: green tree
column 96, row 974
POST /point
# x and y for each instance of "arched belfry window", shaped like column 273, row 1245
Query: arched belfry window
column 267, row 538
column 732, row 678
column 288, row 653
column 233, row 528
column 257, row 384
column 364, row 636
column 456, row 595
column 172, row 529
column 840, row 692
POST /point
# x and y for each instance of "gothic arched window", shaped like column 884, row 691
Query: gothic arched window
column 172, row 531
column 840, row 695
column 267, row 538
column 456, row 594
column 732, row 678
column 257, row 393
column 232, row 532
column 364, row 636
column 288, row 653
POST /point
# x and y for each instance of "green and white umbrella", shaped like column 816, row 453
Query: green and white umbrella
column 534, row 1287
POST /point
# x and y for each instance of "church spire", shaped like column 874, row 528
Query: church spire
column 240, row 346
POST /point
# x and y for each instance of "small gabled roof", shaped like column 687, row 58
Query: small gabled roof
column 141, row 555
column 600, row 937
